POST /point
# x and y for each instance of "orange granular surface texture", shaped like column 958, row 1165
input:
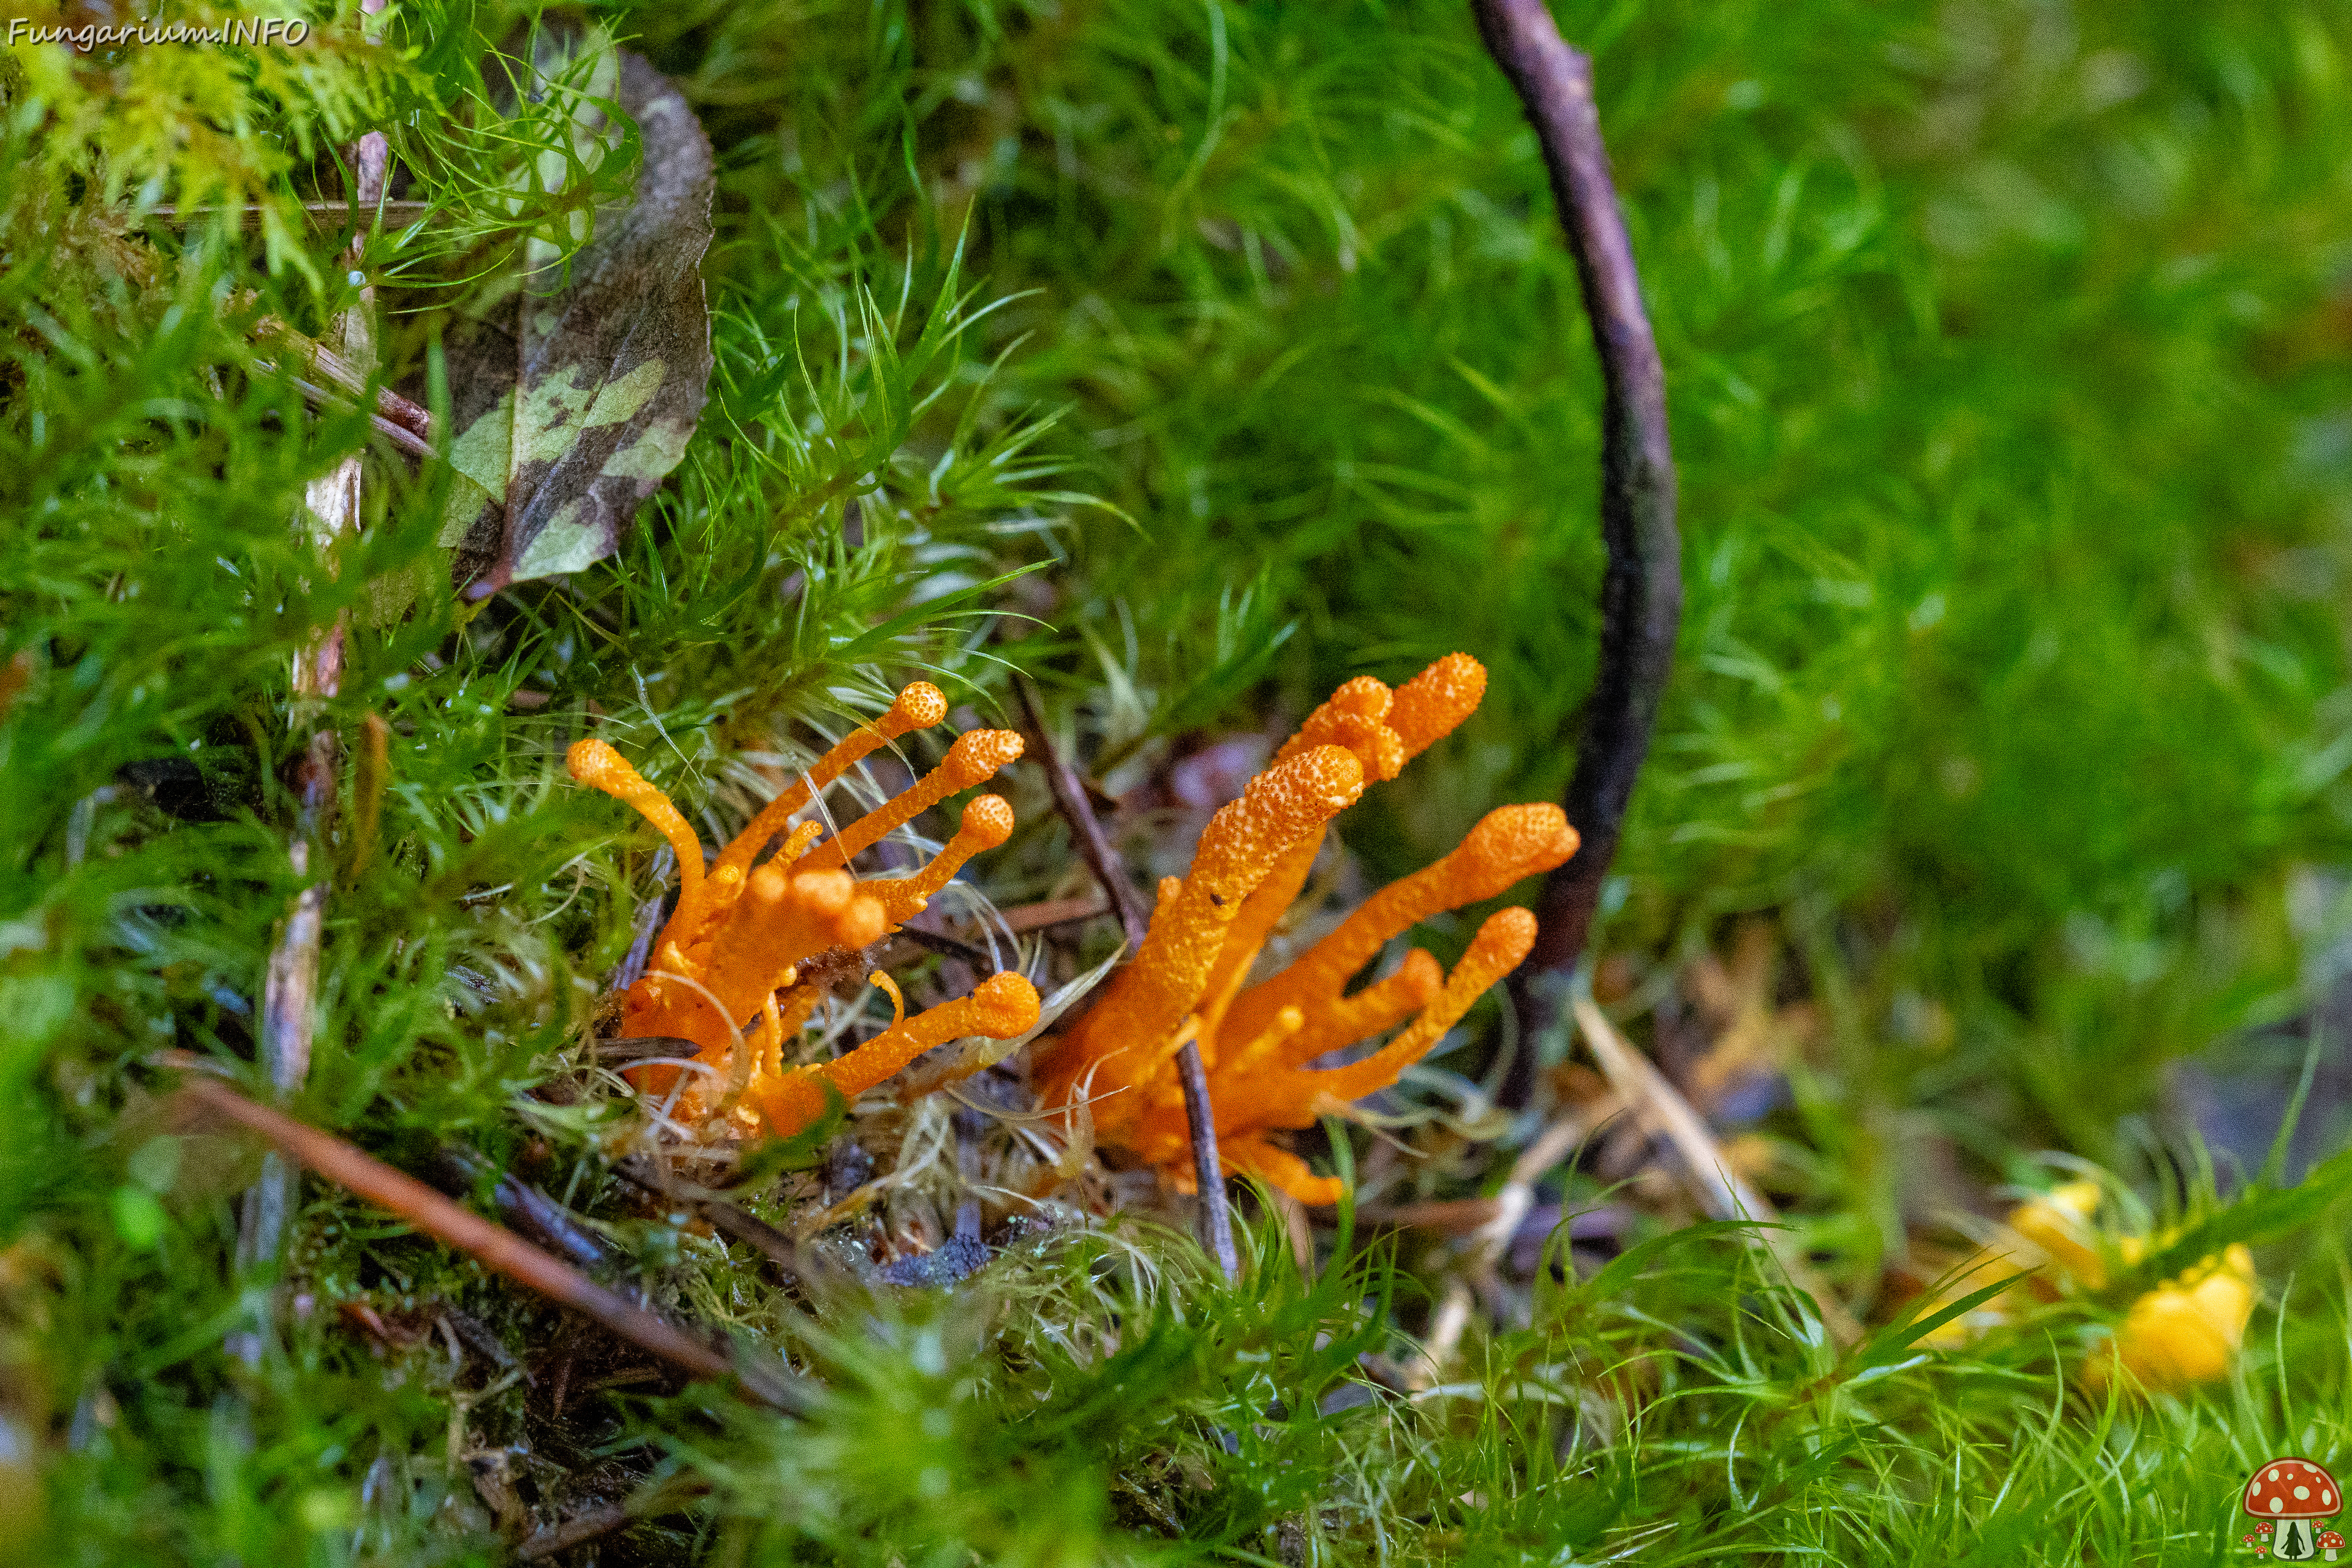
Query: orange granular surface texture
column 1188, row 981
column 725, row 972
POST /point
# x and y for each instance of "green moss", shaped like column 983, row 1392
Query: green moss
column 2002, row 345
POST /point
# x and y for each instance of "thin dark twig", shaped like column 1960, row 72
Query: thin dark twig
column 492, row 1246
column 641, row 1047
column 1070, row 795
column 457, row 1169
column 1200, row 1118
column 602, row 1520
column 943, row 944
column 735, row 1224
column 1641, row 591
column 648, row 923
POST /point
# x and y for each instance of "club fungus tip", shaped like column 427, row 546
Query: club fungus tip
column 920, row 705
column 1188, row 982
column 1429, row 706
column 977, row 755
column 1320, row 783
column 1004, row 1005
column 592, row 762
column 1511, row 842
column 988, row 821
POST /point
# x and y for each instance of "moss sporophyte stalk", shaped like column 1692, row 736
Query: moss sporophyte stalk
column 727, row 969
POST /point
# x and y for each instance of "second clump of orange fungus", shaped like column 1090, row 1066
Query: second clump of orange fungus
column 1188, row 981
column 726, row 971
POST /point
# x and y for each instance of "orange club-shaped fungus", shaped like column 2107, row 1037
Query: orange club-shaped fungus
column 726, row 970
column 1188, row 980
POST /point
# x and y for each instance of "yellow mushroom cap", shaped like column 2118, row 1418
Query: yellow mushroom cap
column 2186, row 1330
column 2057, row 1222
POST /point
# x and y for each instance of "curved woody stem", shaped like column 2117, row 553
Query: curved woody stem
column 1641, row 591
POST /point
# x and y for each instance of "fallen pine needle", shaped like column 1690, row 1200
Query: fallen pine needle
column 1725, row 1194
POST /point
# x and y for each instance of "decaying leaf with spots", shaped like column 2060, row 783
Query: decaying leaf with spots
column 575, row 395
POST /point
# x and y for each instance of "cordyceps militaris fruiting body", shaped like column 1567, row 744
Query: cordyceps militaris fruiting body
column 1186, row 980
column 726, row 970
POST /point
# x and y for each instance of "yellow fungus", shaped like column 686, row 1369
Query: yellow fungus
column 2182, row 1332
column 2186, row 1330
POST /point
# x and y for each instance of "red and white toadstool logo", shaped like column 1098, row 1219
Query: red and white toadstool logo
column 2288, row 1499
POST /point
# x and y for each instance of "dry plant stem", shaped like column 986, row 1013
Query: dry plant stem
column 341, row 375
column 1498, row 1220
column 318, row 211
column 289, row 992
column 573, row 1532
column 1052, row 912
column 407, row 441
column 1718, row 1186
column 1427, row 1370
column 491, row 1246
column 1296, row 1227
column 1199, row 1116
column 1641, row 591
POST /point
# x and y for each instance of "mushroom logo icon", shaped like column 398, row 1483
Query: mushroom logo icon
column 2295, row 1495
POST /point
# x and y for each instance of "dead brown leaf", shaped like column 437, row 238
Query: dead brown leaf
column 574, row 395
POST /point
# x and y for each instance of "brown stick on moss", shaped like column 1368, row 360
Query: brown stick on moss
column 493, row 1246
column 1641, row 591
column 1199, row 1116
